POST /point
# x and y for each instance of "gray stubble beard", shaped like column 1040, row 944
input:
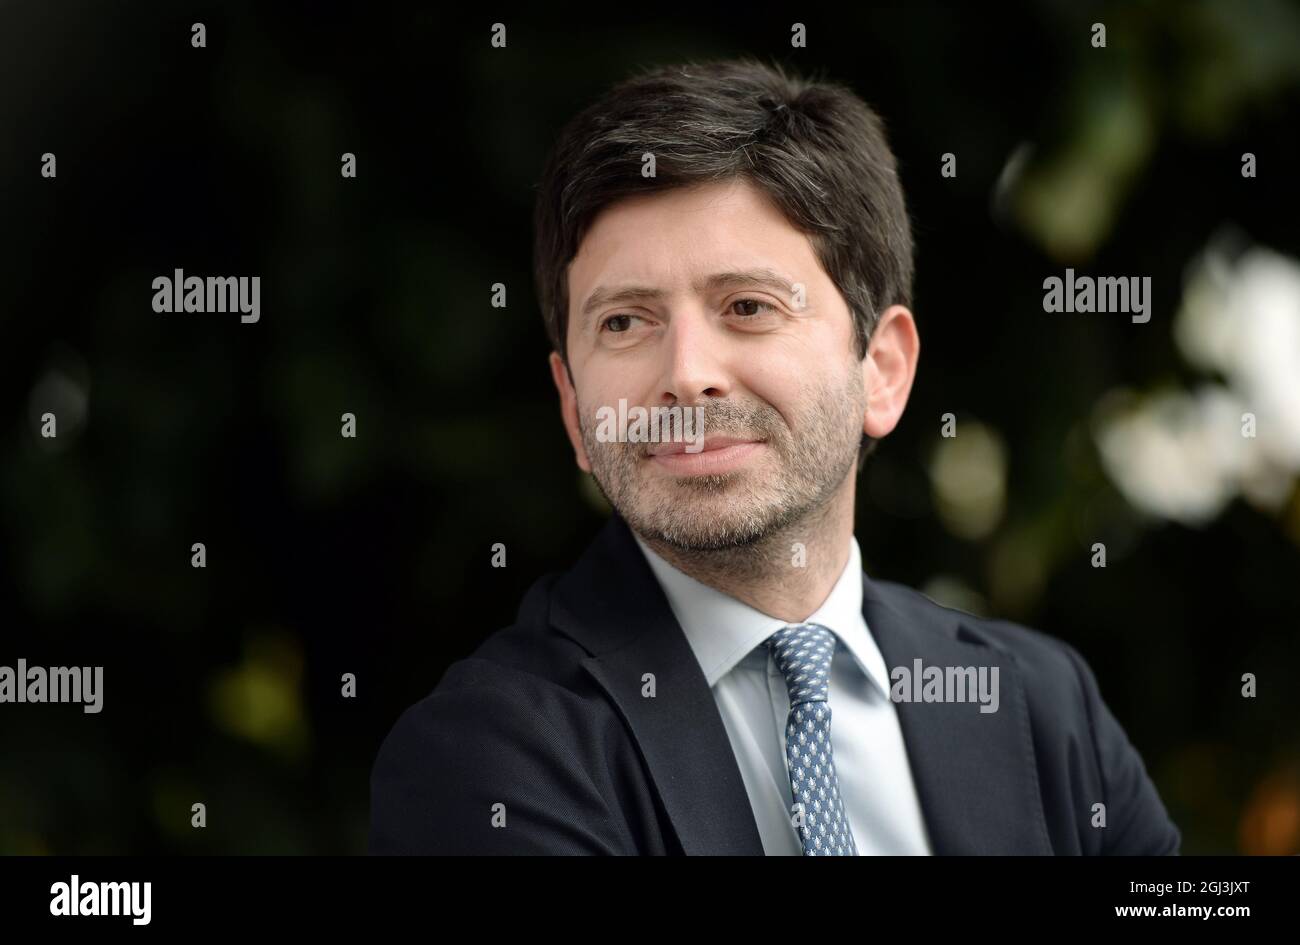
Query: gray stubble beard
column 815, row 457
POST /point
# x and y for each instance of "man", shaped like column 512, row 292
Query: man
column 726, row 238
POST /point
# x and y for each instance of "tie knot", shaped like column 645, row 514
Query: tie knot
column 803, row 655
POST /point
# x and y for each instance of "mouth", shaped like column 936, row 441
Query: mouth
column 710, row 443
column 720, row 454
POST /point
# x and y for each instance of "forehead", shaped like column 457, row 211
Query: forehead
column 677, row 238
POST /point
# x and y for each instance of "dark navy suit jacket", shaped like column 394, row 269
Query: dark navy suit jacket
column 547, row 718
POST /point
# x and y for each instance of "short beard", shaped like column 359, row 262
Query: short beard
column 815, row 457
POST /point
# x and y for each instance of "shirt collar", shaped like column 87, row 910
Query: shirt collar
column 722, row 631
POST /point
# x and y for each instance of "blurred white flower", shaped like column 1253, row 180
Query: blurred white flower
column 1184, row 456
column 1174, row 454
column 1243, row 321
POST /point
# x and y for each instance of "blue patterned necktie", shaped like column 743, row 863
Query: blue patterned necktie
column 803, row 654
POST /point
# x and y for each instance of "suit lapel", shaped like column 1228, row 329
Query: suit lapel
column 975, row 773
column 611, row 604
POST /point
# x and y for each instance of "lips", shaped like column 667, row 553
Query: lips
column 710, row 443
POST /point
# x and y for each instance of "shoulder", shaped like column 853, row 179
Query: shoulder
column 1059, row 689
column 523, row 681
column 1082, row 748
column 512, row 725
column 1046, row 662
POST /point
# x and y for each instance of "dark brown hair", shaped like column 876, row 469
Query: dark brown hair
column 813, row 146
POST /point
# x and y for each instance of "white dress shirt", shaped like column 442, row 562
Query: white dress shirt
column 870, row 758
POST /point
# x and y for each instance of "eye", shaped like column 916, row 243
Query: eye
column 617, row 323
column 753, row 307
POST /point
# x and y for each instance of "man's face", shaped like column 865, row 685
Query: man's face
column 782, row 391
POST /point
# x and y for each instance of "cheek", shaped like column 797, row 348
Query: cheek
column 605, row 386
column 784, row 366
column 779, row 382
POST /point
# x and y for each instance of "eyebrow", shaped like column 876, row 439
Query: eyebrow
column 618, row 295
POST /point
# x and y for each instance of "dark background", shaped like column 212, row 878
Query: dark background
column 372, row 556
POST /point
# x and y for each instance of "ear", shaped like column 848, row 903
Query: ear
column 569, row 409
column 888, row 370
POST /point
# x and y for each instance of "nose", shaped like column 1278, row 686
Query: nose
column 694, row 363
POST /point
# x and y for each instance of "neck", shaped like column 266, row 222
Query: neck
column 766, row 574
